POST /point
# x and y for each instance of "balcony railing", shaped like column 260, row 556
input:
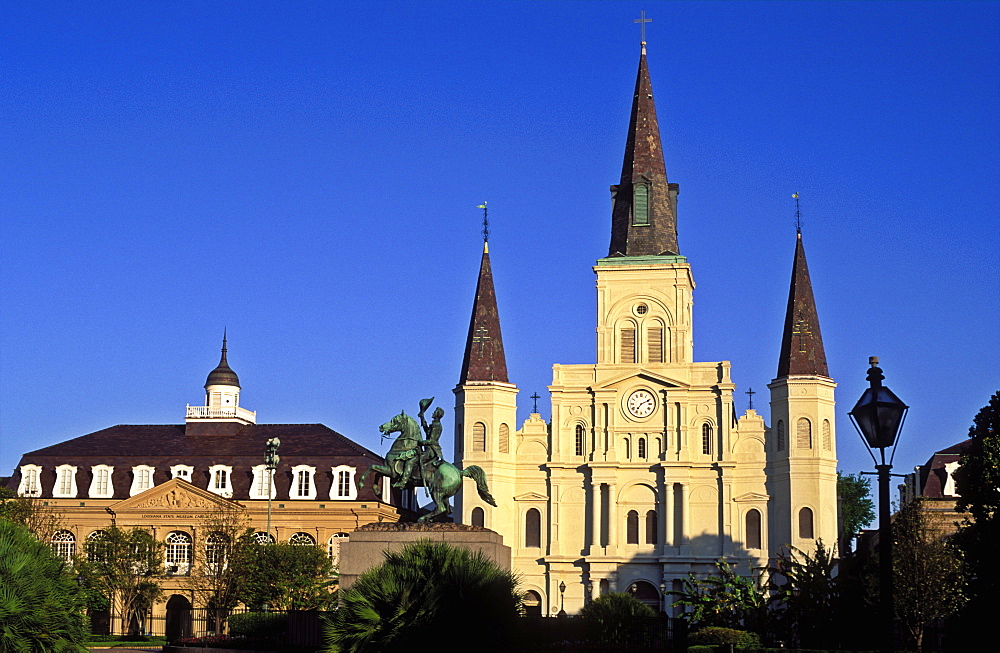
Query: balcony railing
column 221, row 412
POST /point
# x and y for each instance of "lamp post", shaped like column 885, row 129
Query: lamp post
column 271, row 460
column 562, row 599
column 878, row 416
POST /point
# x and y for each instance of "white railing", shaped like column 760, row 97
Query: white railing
column 209, row 412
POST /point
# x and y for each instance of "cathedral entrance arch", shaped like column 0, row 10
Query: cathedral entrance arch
column 532, row 604
column 646, row 593
column 178, row 621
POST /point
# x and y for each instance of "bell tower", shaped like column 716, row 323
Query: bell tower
column 221, row 414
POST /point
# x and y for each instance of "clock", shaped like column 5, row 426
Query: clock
column 641, row 403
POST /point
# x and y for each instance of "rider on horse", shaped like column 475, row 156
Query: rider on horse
column 425, row 451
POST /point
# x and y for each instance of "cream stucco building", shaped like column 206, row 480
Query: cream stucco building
column 646, row 472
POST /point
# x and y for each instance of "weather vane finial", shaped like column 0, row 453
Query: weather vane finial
column 642, row 20
column 486, row 222
column 798, row 214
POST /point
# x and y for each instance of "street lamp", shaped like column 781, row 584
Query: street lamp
column 562, row 599
column 271, row 460
column 878, row 416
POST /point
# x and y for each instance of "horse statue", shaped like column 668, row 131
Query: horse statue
column 410, row 452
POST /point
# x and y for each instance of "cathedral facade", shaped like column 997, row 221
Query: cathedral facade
column 646, row 472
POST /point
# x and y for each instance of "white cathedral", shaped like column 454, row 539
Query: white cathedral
column 645, row 472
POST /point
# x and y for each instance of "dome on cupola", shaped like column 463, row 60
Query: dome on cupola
column 223, row 374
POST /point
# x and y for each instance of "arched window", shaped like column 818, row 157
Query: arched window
column 478, row 516
column 302, row 539
column 640, row 204
column 628, row 345
column 333, row 547
column 642, row 448
column 533, row 528
column 781, row 435
column 215, row 551
column 178, row 554
column 479, row 437
column 97, row 544
column 504, row 434
column 142, row 479
column 803, row 434
column 102, row 486
column 806, row 523
column 65, row 482
column 343, row 486
column 64, row 545
column 827, row 436
column 654, row 344
column 578, row 448
column 632, row 527
column 532, row 604
column 706, row 439
column 628, row 449
column 753, row 540
column 263, row 538
column 30, row 486
column 651, row 527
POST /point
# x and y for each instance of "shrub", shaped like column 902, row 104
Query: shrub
column 256, row 624
column 717, row 635
column 618, row 617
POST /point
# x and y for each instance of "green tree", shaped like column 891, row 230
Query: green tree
column 928, row 573
column 857, row 510
column 726, row 599
column 40, row 519
column 218, row 575
column 806, row 595
column 41, row 609
column 283, row 576
column 428, row 594
column 618, row 617
column 123, row 566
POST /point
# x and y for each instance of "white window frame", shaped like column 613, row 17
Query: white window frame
column 333, row 547
column 295, row 492
column 224, row 489
column 95, row 484
column 137, row 472
column 352, row 490
column 261, row 475
column 183, row 472
column 31, row 481
column 63, row 544
column 178, row 553
column 61, row 472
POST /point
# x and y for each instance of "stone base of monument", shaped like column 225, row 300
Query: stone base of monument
column 368, row 544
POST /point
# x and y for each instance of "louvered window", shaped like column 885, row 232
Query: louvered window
column 781, row 435
column 628, row 346
column 706, row 439
column 753, row 529
column 803, row 434
column 827, row 436
column 479, row 437
column 654, row 336
column 642, row 447
column 640, row 205
column 504, row 437
column 806, row 523
column 579, row 440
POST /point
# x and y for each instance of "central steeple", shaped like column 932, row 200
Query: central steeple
column 644, row 217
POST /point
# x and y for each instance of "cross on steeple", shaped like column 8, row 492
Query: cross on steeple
column 535, row 398
column 801, row 330
column 486, row 223
column 481, row 337
column 642, row 20
column 751, row 393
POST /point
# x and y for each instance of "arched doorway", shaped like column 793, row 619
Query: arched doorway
column 646, row 593
column 178, row 621
column 532, row 604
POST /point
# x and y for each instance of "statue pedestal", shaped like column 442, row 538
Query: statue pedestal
column 367, row 544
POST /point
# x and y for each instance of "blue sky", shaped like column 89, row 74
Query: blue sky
column 306, row 175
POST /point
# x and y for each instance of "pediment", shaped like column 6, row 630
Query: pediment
column 175, row 494
column 646, row 375
column 752, row 497
column 531, row 496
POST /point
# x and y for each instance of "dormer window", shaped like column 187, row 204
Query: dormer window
column 30, row 485
column 65, row 486
column 263, row 483
column 101, row 487
column 182, row 472
column 219, row 480
column 142, row 479
column 303, row 482
column 343, row 486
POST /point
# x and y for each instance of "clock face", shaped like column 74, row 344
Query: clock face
column 641, row 403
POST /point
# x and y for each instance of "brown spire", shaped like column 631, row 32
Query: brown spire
column 484, row 359
column 223, row 374
column 644, row 217
column 801, row 344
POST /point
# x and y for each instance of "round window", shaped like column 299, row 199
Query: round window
column 640, row 309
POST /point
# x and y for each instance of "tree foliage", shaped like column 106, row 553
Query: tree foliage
column 619, row 618
column 283, row 576
column 123, row 566
column 41, row 610
column 857, row 510
column 806, row 593
column 928, row 572
column 726, row 599
column 428, row 593
column 218, row 576
column 40, row 519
